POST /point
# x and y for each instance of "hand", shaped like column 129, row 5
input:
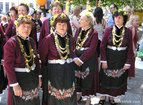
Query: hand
column 135, row 53
column 17, row 90
column 77, row 62
column 104, row 65
column 126, row 67
column 40, row 82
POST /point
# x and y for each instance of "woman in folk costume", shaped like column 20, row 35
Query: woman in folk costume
column 22, row 65
column 23, row 9
column 56, row 52
column 3, row 80
column 56, row 8
column 116, row 56
column 133, row 25
column 86, row 41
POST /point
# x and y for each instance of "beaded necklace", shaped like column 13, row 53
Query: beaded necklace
column 60, row 49
column 80, row 42
column 31, row 56
column 120, row 40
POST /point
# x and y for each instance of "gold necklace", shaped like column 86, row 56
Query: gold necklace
column 60, row 49
column 31, row 56
column 80, row 42
column 114, row 35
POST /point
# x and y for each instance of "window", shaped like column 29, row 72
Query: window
column 1, row 6
column 7, row 6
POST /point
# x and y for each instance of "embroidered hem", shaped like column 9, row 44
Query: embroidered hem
column 29, row 95
column 61, row 93
column 82, row 75
column 114, row 73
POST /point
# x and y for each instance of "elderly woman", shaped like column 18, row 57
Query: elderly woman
column 56, row 54
column 128, row 10
column 21, row 65
column 56, row 8
column 86, row 39
column 23, row 9
column 133, row 25
column 116, row 56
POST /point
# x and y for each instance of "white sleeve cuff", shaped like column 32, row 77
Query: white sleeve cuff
column 103, row 61
column 78, row 59
column 12, row 85
column 40, row 76
column 127, row 64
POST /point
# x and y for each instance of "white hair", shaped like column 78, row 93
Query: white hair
column 132, row 17
column 89, row 16
column 126, row 8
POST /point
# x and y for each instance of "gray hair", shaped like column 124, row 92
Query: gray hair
column 89, row 16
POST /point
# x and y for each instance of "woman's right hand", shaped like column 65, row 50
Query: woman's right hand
column 104, row 65
column 17, row 90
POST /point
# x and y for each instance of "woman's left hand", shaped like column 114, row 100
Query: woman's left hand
column 40, row 82
column 77, row 62
column 126, row 67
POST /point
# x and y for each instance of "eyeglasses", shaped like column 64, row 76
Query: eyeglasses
column 57, row 9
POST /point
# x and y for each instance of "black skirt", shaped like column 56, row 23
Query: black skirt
column 114, row 77
column 85, row 73
column 3, row 80
column 60, row 84
column 30, row 91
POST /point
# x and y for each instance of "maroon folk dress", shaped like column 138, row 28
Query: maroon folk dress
column 3, row 79
column 58, row 79
column 113, row 81
column 13, row 58
column 87, row 74
column 132, row 68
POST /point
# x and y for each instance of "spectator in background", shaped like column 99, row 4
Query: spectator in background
column 75, row 18
column 13, row 13
column 4, row 23
column 8, row 17
column 110, row 20
column 128, row 10
column 99, row 26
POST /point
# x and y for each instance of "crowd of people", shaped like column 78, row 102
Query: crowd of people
column 68, row 58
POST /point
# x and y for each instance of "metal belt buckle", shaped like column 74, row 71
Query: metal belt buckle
column 27, row 70
column 62, row 62
column 68, row 60
column 114, row 48
column 119, row 49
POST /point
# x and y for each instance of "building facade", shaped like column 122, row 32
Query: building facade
column 5, row 5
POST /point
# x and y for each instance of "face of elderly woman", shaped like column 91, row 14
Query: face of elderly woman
column 61, row 28
column 24, row 30
column 22, row 10
column 128, row 11
column 56, row 10
column 136, row 22
column 119, row 20
column 83, row 22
